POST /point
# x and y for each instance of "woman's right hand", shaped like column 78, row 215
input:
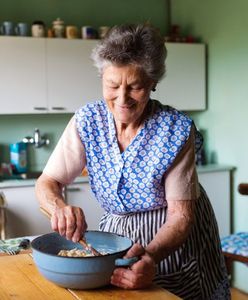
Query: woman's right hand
column 69, row 221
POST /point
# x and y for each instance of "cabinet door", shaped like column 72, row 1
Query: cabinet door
column 72, row 78
column 23, row 215
column 184, row 85
column 217, row 186
column 22, row 75
column 79, row 194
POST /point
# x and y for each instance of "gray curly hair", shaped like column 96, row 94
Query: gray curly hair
column 141, row 45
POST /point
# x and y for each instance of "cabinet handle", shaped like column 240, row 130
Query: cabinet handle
column 58, row 108
column 73, row 189
column 40, row 108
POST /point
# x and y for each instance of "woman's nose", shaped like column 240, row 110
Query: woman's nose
column 123, row 96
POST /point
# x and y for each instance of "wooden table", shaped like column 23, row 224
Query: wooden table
column 19, row 279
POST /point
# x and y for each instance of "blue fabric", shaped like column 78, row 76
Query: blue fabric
column 236, row 243
column 131, row 181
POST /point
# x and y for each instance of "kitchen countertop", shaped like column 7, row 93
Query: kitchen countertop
column 21, row 280
column 9, row 183
column 213, row 168
column 31, row 182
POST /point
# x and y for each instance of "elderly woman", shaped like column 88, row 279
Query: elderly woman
column 140, row 157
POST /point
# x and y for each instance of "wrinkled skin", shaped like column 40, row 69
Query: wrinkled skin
column 69, row 221
column 139, row 275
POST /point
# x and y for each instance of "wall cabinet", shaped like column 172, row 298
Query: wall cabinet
column 41, row 75
column 22, row 75
column 72, row 79
column 184, row 85
column 216, row 181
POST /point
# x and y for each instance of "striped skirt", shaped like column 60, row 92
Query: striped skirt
column 196, row 270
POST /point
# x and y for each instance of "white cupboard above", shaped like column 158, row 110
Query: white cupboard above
column 184, row 85
column 72, row 80
column 42, row 75
column 22, row 75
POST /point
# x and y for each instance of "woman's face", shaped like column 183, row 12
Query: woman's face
column 126, row 90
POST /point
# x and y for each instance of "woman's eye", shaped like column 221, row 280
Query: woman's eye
column 136, row 88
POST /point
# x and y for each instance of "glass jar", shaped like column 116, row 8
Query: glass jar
column 58, row 28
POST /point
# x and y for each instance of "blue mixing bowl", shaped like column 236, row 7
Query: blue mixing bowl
column 80, row 272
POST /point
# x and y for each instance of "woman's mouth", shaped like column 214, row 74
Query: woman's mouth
column 124, row 107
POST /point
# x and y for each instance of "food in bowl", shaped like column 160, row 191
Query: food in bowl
column 75, row 252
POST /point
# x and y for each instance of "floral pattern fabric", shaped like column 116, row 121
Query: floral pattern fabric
column 131, row 181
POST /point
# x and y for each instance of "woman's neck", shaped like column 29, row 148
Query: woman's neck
column 125, row 134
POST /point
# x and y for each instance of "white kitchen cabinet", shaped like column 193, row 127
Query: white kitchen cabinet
column 42, row 75
column 184, row 85
column 71, row 77
column 79, row 194
column 22, row 75
column 22, row 213
column 216, row 180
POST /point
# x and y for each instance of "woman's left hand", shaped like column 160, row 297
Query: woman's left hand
column 139, row 275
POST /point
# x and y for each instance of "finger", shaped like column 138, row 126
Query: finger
column 54, row 223
column 127, row 279
column 58, row 222
column 75, row 222
column 70, row 226
column 81, row 226
column 135, row 250
column 123, row 278
column 145, row 265
column 62, row 225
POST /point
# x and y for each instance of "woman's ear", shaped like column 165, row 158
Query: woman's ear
column 154, row 88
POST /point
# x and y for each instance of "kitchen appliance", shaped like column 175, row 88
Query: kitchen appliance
column 80, row 272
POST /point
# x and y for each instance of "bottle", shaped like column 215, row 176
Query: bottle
column 18, row 157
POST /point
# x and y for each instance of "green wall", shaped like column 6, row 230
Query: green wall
column 223, row 26
column 87, row 12
column 74, row 12
column 15, row 128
